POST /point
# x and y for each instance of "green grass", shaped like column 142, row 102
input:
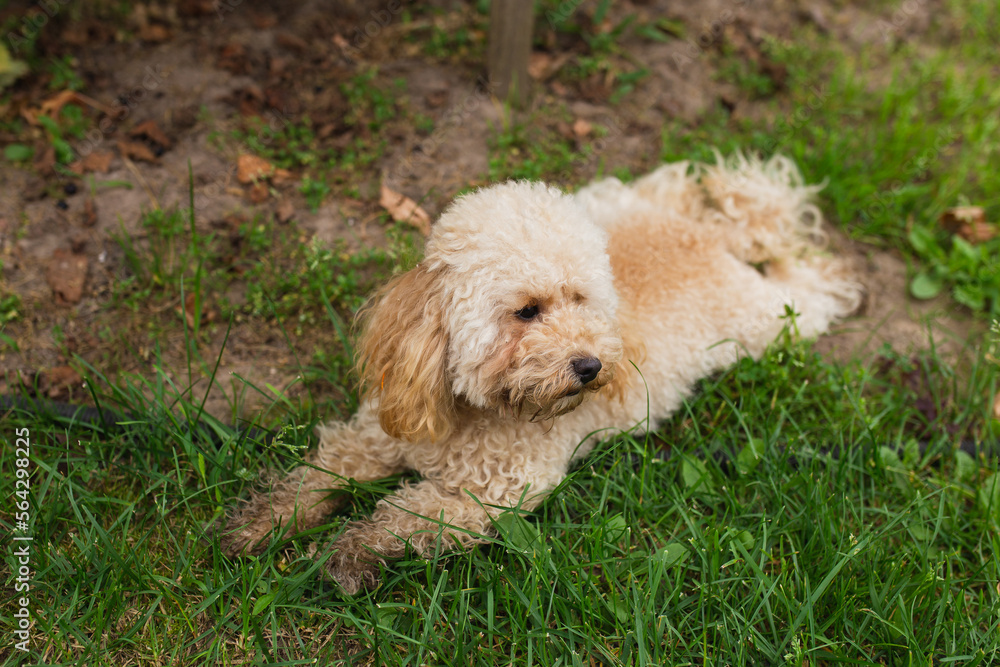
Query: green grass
column 779, row 553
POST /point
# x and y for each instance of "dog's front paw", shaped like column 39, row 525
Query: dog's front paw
column 353, row 569
column 248, row 528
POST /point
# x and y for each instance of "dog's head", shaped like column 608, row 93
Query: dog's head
column 511, row 311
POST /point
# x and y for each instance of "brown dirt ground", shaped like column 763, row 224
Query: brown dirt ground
column 215, row 69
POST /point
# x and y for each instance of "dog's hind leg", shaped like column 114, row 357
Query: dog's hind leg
column 357, row 450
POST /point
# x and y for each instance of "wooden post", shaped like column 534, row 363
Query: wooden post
column 511, row 22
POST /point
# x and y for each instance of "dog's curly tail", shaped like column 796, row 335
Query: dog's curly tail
column 767, row 201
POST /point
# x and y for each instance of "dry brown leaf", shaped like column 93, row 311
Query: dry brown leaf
column 969, row 222
column 53, row 105
column 136, row 151
column 978, row 232
column 150, row 130
column 404, row 209
column 996, row 405
column 543, row 66
column 154, row 33
column 250, row 168
column 282, row 176
column 99, row 161
column 66, row 275
column 582, row 128
column 953, row 218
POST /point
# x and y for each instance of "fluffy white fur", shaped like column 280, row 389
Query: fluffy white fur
column 479, row 364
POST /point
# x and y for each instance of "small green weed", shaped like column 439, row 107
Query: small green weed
column 449, row 44
column 314, row 192
column 10, row 307
column 972, row 271
column 64, row 74
column 63, row 150
column 291, row 146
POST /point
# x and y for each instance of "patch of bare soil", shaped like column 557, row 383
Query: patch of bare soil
column 179, row 83
column 888, row 317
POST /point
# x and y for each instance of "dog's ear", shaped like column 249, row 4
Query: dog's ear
column 402, row 357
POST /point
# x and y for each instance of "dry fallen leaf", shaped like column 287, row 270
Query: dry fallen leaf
column 150, row 130
column 99, row 161
column 996, row 405
column 66, row 275
column 582, row 128
column 404, row 209
column 281, row 176
column 136, row 151
column 969, row 222
column 543, row 66
column 53, row 105
column 250, row 168
column 154, row 33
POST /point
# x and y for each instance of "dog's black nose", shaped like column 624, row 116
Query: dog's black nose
column 586, row 369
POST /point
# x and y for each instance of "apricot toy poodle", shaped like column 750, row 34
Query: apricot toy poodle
column 538, row 319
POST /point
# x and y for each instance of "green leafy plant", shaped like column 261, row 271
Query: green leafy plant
column 64, row 74
column 64, row 152
column 18, row 152
column 10, row 307
column 314, row 192
column 971, row 271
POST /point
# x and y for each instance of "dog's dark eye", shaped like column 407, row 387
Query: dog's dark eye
column 527, row 313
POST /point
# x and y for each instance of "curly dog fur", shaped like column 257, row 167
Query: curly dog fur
column 490, row 366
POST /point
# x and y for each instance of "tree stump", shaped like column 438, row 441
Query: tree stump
column 511, row 23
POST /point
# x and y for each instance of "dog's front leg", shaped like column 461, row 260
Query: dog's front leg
column 359, row 450
column 426, row 516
